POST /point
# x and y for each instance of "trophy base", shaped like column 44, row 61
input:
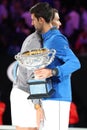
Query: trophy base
column 40, row 89
column 39, row 96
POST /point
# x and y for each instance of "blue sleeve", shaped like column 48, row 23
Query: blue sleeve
column 64, row 53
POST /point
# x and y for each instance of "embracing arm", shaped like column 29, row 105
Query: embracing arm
column 65, row 62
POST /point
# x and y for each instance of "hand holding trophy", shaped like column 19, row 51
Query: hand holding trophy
column 33, row 60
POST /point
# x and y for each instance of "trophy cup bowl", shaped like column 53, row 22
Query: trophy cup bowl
column 35, row 59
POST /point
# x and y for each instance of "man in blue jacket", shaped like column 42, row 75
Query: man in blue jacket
column 56, row 108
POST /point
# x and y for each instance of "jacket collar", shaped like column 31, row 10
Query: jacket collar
column 47, row 34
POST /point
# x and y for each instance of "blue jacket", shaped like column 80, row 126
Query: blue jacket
column 65, row 61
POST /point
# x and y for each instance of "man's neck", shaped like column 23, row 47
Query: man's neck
column 46, row 27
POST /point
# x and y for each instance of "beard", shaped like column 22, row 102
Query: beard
column 39, row 30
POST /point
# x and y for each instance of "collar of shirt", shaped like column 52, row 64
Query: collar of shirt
column 49, row 33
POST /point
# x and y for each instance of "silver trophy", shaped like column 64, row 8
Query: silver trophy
column 33, row 60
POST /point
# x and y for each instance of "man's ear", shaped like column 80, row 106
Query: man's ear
column 41, row 20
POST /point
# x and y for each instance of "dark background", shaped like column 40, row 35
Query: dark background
column 5, row 86
column 79, row 91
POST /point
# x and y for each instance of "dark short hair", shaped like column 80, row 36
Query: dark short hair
column 54, row 11
column 42, row 9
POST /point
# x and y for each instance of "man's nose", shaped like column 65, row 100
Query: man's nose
column 60, row 24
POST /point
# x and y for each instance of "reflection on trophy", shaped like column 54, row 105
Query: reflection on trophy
column 35, row 59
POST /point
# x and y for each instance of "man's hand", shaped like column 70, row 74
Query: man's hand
column 43, row 73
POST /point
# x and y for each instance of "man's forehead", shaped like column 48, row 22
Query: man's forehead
column 33, row 16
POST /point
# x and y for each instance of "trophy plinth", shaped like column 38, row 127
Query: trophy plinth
column 35, row 59
column 40, row 89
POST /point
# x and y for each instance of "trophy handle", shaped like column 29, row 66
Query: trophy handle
column 18, row 56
